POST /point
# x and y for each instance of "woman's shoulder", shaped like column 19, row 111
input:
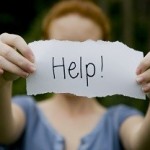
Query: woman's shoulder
column 26, row 103
column 123, row 108
column 118, row 113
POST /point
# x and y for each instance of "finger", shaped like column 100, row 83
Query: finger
column 13, row 56
column 146, row 88
column 144, row 77
column 19, row 43
column 8, row 66
column 144, row 64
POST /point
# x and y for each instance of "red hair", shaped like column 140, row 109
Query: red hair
column 84, row 8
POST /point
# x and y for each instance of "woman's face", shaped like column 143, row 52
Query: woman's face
column 74, row 27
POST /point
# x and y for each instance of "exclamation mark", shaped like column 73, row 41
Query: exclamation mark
column 101, row 65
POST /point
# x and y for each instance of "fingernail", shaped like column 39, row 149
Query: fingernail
column 32, row 58
column 145, row 88
column 31, row 55
column 32, row 68
column 138, row 71
column 139, row 79
column 25, row 75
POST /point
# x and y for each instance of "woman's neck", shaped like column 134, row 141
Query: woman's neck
column 74, row 104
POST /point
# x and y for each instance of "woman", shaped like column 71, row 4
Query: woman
column 66, row 121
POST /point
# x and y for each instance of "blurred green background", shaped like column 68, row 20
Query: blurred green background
column 130, row 24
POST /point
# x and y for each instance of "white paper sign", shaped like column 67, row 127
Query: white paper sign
column 90, row 68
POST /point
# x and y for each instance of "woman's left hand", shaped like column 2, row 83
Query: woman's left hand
column 143, row 74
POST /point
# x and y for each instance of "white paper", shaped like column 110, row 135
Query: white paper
column 90, row 68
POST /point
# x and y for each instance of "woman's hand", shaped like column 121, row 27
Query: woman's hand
column 16, row 58
column 143, row 74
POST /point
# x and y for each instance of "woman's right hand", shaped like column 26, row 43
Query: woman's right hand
column 16, row 58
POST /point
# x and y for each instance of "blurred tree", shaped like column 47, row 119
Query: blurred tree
column 127, row 13
column 16, row 15
column 141, row 24
column 128, row 28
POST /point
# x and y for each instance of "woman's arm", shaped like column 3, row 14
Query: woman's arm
column 135, row 131
column 16, row 60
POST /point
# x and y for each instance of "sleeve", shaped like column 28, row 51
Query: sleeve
column 123, row 112
column 25, row 102
column 114, row 118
